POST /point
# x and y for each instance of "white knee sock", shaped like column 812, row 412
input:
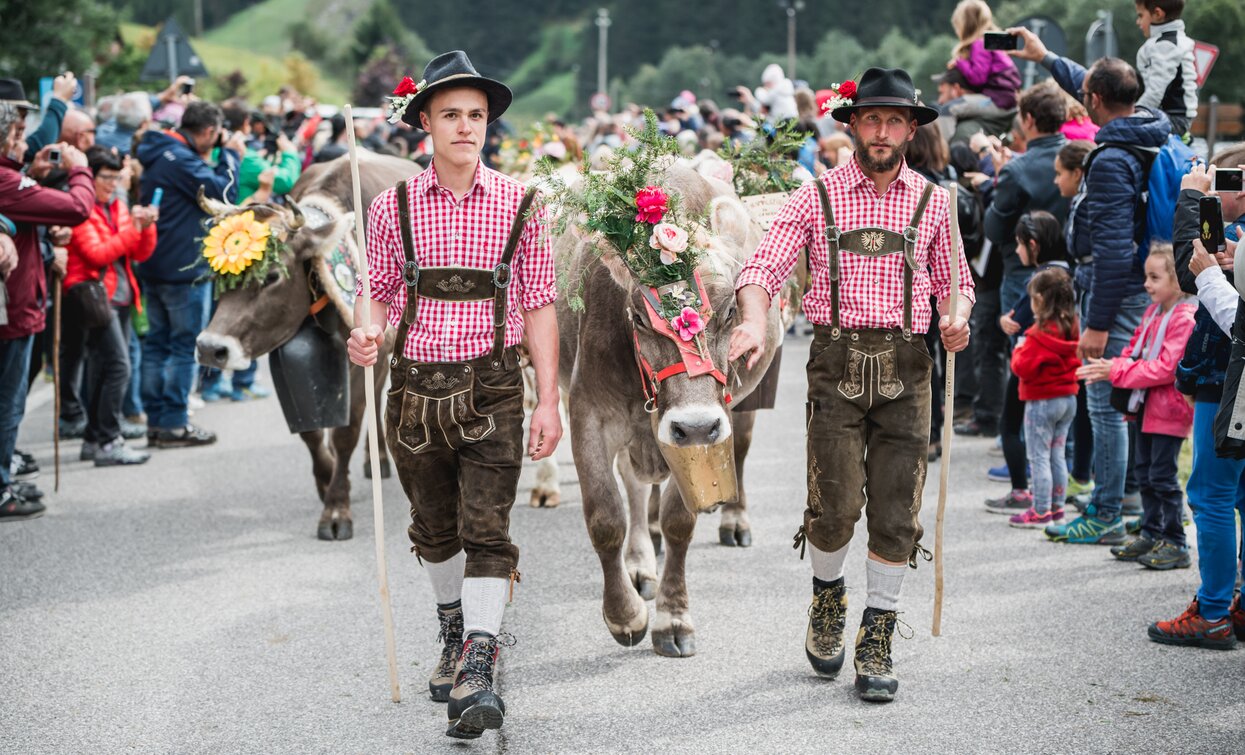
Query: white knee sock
column 884, row 582
column 484, row 601
column 828, row 567
column 447, row 578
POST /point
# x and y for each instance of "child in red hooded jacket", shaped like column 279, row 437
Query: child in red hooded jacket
column 1164, row 418
column 1045, row 363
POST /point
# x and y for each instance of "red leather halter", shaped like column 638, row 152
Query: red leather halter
column 693, row 363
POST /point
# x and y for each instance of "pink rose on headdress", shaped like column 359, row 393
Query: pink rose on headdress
column 670, row 239
column 650, row 203
column 688, row 324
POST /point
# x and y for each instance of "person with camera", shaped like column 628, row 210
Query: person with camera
column 99, row 289
column 179, row 303
column 28, row 205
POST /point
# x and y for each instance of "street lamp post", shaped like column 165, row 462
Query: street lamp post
column 603, row 24
column 792, row 7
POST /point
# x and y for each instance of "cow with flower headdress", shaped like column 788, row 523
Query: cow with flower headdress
column 648, row 254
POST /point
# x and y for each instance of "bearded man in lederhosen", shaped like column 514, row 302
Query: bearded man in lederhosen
column 460, row 267
column 879, row 245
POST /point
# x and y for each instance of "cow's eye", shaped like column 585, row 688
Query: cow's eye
column 272, row 277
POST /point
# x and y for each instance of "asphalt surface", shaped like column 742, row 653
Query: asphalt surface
column 186, row 606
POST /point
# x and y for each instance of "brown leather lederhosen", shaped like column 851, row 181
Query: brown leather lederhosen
column 455, row 429
column 868, row 410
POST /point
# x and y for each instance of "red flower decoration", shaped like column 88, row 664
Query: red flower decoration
column 847, row 90
column 650, row 203
column 405, row 86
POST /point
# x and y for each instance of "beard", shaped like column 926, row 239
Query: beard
column 864, row 155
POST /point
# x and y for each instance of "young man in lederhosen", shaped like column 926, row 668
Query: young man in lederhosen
column 462, row 270
column 880, row 245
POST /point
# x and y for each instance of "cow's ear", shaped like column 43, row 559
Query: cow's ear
column 322, row 239
column 613, row 262
column 730, row 221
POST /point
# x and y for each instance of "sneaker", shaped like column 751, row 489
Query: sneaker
column 23, row 468
column 133, row 430
column 1166, row 556
column 998, row 474
column 875, row 674
column 116, row 454
column 1030, row 519
column 1012, row 503
column 451, row 639
column 1192, row 629
column 1056, row 512
column 14, row 508
column 194, row 403
column 71, row 429
column 1077, row 488
column 473, row 705
column 89, row 449
column 1237, row 613
column 1132, row 526
column 28, row 491
column 975, row 428
column 1088, row 529
column 250, row 392
column 827, row 618
column 1130, row 504
column 1082, row 501
column 183, row 437
column 1133, row 549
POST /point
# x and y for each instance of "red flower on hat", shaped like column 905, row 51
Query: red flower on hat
column 406, row 86
column 847, row 90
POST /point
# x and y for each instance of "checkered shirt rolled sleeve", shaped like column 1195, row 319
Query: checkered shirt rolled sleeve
column 384, row 249
column 776, row 257
column 534, row 273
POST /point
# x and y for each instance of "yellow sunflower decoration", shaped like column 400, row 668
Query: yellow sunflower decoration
column 235, row 243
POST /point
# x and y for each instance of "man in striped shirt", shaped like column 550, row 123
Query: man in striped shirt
column 880, row 247
column 462, row 270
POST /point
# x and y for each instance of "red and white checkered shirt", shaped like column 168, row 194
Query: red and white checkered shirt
column 870, row 288
column 472, row 233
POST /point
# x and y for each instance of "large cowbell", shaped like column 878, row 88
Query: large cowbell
column 311, row 375
column 705, row 475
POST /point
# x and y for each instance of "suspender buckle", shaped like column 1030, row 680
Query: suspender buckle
column 833, row 234
column 410, row 273
column 502, row 276
column 911, row 234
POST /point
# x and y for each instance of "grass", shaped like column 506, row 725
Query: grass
column 264, row 27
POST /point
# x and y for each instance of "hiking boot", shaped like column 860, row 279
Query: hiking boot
column 1014, row 502
column 1078, row 488
column 116, row 454
column 976, row 428
column 14, row 508
column 1192, row 629
column 451, row 639
column 1166, row 556
column 132, row 430
column 1088, row 529
column 88, row 450
column 1237, row 613
column 1030, row 519
column 1130, row 504
column 875, row 678
column 183, row 437
column 1133, row 549
column 71, row 429
column 827, row 617
column 23, row 467
column 474, row 706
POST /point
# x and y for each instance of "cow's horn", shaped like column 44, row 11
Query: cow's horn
column 299, row 221
column 214, row 207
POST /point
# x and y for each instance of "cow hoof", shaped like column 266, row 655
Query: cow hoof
column 726, row 536
column 646, row 586
column 630, row 639
column 338, row 529
column 385, row 474
column 670, row 644
column 656, row 536
column 743, row 538
column 545, row 500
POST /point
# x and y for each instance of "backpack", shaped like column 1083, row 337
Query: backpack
column 1162, row 169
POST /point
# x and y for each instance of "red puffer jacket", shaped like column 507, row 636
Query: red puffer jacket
column 99, row 242
column 1046, row 363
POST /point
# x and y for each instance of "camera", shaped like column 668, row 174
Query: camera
column 188, row 86
column 54, row 156
column 1228, row 180
column 1000, row 40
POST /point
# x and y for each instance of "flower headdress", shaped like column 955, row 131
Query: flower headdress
column 403, row 93
column 241, row 250
column 844, row 95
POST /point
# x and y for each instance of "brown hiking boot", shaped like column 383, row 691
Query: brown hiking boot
column 875, row 678
column 474, row 706
column 827, row 617
column 451, row 637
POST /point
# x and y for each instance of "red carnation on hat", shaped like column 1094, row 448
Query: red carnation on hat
column 847, row 90
column 406, row 86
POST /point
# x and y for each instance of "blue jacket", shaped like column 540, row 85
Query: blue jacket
column 168, row 162
column 1113, row 185
column 1024, row 184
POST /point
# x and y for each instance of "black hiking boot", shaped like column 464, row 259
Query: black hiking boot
column 875, row 678
column 827, row 617
column 474, row 706
column 451, row 637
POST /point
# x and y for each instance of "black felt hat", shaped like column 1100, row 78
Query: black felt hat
column 454, row 69
column 12, row 93
column 886, row 87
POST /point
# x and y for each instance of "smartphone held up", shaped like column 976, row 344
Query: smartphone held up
column 1001, row 40
column 1228, row 180
column 1210, row 222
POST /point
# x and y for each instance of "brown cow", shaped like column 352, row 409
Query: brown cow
column 611, row 425
column 250, row 322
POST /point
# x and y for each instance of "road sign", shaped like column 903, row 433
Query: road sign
column 172, row 56
column 600, row 102
column 1204, row 57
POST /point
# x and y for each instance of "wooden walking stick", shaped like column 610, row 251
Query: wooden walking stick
column 948, row 406
column 56, row 383
column 373, row 434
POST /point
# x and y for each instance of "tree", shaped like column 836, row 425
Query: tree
column 378, row 77
column 44, row 39
column 381, row 27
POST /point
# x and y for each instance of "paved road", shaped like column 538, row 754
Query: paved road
column 187, row 607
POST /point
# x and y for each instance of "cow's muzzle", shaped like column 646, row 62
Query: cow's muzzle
column 701, row 456
column 221, row 352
